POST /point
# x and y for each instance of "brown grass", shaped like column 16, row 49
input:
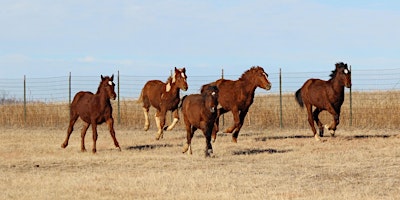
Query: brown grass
column 271, row 164
column 370, row 110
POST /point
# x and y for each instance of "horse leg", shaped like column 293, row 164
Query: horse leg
column 242, row 115
column 316, row 119
column 146, row 118
column 215, row 130
column 160, row 124
column 311, row 121
column 110, row 123
column 189, row 135
column 83, row 133
column 207, row 134
column 72, row 121
column 94, row 130
column 235, row 114
column 176, row 119
column 335, row 122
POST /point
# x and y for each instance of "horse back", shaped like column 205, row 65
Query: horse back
column 231, row 94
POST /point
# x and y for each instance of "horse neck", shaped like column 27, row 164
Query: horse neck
column 337, row 85
column 173, row 92
column 102, row 96
column 248, row 87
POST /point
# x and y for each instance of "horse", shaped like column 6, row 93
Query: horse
column 163, row 97
column 237, row 96
column 325, row 95
column 93, row 109
column 200, row 112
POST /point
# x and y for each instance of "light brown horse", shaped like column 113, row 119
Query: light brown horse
column 237, row 96
column 200, row 112
column 325, row 95
column 93, row 109
column 163, row 97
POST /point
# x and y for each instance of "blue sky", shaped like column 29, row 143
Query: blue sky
column 45, row 38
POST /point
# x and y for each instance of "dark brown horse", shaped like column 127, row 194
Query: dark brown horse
column 93, row 109
column 237, row 96
column 163, row 97
column 325, row 95
column 200, row 112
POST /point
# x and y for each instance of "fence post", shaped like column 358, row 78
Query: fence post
column 222, row 77
column 119, row 108
column 69, row 95
column 280, row 99
column 25, row 100
column 351, row 104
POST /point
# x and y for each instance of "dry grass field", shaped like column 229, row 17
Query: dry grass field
column 264, row 164
column 362, row 162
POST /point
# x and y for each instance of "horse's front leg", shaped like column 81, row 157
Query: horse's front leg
column 83, row 134
column 189, row 135
column 335, row 122
column 175, row 120
column 110, row 123
column 207, row 134
column 94, row 130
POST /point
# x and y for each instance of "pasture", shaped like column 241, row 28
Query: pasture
column 264, row 164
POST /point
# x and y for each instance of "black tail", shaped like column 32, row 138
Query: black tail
column 298, row 97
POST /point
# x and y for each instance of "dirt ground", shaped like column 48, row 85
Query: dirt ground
column 264, row 164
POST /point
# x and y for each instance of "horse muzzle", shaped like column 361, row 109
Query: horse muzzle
column 268, row 87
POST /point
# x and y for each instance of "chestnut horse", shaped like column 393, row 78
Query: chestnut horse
column 325, row 95
column 93, row 109
column 200, row 112
column 237, row 96
column 163, row 97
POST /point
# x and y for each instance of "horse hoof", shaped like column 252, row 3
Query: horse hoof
column 118, row 148
column 234, row 140
column 317, row 138
column 185, row 148
column 64, row 145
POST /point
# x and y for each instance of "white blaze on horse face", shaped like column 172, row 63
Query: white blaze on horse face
column 110, row 83
column 183, row 75
column 213, row 93
column 346, row 71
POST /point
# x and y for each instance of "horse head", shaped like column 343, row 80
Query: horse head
column 179, row 78
column 261, row 78
column 343, row 74
column 107, row 85
column 210, row 94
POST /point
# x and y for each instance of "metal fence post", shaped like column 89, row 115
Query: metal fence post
column 69, row 95
column 222, row 77
column 119, row 107
column 280, row 99
column 351, row 105
column 25, row 100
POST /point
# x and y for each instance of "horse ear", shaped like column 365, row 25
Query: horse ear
column 176, row 70
column 102, row 78
column 112, row 77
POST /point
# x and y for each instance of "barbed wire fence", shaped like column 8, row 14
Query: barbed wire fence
column 54, row 91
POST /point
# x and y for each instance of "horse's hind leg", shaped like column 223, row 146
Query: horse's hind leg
column 311, row 121
column 83, row 134
column 159, row 124
column 72, row 121
column 334, row 123
column 319, row 123
column 189, row 135
column 242, row 115
column 146, row 118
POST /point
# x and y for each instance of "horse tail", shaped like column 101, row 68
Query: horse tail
column 298, row 98
column 181, row 102
column 140, row 100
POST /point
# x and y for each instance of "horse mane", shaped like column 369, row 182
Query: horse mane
column 338, row 65
column 247, row 74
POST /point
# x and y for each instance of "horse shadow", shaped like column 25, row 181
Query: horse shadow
column 146, row 147
column 259, row 151
column 352, row 137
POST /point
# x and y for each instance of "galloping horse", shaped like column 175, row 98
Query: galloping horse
column 163, row 97
column 93, row 109
column 200, row 112
column 325, row 95
column 237, row 96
